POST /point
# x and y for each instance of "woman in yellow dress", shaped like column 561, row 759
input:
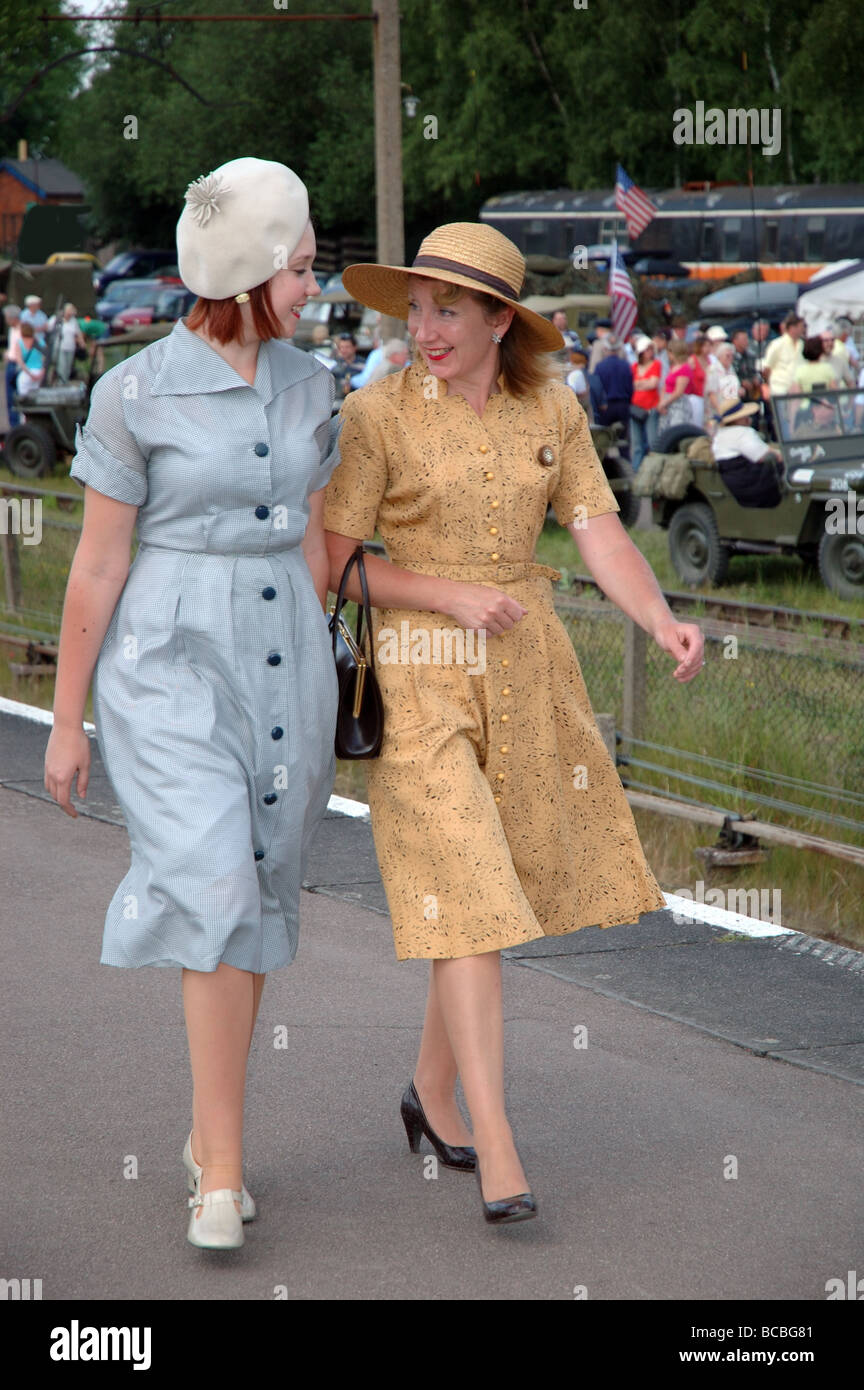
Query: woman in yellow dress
column 497, row 813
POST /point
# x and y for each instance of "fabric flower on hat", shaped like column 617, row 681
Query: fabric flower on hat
column 201, row 196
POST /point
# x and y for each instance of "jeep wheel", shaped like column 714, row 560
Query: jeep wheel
column 841, row 565
column 29, row 451
column 619, row 471
column 670, row 441
column 695, row 548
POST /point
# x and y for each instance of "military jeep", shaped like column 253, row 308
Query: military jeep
column 820, row 513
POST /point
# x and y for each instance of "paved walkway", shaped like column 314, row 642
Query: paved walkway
column 686, row 1074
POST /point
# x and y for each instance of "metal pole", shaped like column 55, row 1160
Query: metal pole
column 388, row 146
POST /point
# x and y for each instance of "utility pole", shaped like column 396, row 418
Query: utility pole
column 390, row 227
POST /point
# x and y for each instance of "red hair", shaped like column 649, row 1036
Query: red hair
column 222, row 319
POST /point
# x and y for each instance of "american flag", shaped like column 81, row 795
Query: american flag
column 624, row 308
column 635, row 205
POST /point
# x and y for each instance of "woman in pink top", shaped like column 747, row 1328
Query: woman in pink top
column 676, row 405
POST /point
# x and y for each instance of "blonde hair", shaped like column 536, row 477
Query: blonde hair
column 525, row 369
column 679, row 350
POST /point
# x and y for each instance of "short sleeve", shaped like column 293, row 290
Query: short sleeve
column 107, row 456
column 327, row 435
column 359, row 483
column 582, row 482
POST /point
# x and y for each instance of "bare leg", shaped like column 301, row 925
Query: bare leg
column 257, row 991
column 435, row 1074
column 469, row 995
column 219, row 1008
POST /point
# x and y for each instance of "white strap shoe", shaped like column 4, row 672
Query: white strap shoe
column 219, row 1227
column 193, row 1170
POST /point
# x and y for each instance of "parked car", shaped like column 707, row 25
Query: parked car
column 820, row 514
column 63, row 257
column 129, row 265
column 164, row 305
column 123, row 294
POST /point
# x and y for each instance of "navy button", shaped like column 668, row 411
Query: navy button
column 261, row 450
column 269, row 592
column 273, row 659
column 277, row 732
column 262, row 512
column 269, row 798
column 259, row 854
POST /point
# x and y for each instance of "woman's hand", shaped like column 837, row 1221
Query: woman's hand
column 685, row 642
column 68, row 753
column 482, row 607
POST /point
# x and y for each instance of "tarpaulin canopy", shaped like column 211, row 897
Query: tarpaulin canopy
column 834, row 290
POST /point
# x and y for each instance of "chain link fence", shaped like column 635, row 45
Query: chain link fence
column 773, row 721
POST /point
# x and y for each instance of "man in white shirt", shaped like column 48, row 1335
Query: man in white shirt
column 843, row 335
column 784, row 356
column 745, row 462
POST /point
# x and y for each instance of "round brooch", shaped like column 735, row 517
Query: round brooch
column 546, row 456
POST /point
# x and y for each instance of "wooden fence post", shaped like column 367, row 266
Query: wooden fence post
column 633, row 704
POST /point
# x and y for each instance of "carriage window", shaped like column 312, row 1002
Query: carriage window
column 614, row 229
column 706, row 242
column 536, row 237
column 814, row 244
column 731, row 238
column 769, row 240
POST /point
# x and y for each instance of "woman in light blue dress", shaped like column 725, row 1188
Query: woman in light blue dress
column 214, row 687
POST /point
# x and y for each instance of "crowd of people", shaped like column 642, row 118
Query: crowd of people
column 351, row 371
column 33, row 340
column 690, row 374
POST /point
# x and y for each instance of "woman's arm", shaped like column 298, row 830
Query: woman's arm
column 471, row 605
column 99, row 570
column 315, row 548
column 627, row 579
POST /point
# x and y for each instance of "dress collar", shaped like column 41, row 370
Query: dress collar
column 190, row 366
column 420, row 373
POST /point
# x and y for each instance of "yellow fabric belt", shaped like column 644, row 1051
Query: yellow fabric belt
column 497, row 573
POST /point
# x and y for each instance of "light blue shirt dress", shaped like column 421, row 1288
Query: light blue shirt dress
column 215, row 690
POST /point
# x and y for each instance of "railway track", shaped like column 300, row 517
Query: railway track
column 834, row 626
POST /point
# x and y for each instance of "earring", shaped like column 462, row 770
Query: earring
column 496, row 338
column 241, row 298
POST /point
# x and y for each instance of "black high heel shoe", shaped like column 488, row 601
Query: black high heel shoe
column 519, row 1208
column 416, row 1125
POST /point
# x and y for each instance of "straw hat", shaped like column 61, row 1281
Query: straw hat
column 732, row 409
column 472, row 254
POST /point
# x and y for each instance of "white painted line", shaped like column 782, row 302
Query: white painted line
column 33, row 712
column 720, row 917
column 346, row 807
column 342, row 804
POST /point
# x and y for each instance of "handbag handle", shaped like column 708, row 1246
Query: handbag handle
column 356, row 558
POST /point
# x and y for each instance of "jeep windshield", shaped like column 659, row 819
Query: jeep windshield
column 820, row 416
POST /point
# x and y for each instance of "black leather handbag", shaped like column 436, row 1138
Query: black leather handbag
column 360, row 716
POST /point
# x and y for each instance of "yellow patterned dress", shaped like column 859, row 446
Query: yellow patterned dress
column 497, row 812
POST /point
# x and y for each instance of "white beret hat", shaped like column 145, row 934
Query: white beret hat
column 240, row 225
